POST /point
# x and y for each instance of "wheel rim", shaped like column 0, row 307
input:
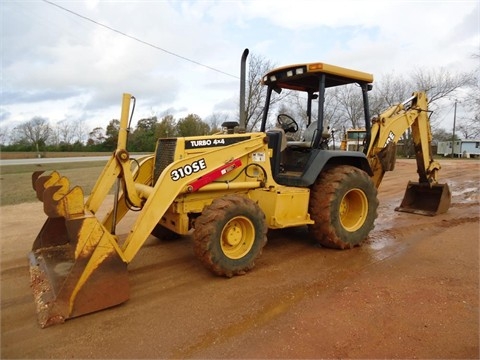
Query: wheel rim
column 237, row 238
column 353, row 210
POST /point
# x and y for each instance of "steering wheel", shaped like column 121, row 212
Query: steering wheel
column 287, row 123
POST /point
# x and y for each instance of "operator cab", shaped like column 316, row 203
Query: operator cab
column 309, row 82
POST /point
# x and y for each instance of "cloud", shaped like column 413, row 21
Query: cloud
column 4, row 115
column 61, row 66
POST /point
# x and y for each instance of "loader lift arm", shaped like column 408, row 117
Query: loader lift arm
column 386, row 131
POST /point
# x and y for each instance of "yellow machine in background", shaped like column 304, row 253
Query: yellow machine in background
column 226, row 189
column 354, row 140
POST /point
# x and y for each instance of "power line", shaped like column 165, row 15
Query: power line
column 138, row 40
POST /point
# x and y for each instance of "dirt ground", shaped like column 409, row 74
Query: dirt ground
column 411, row 291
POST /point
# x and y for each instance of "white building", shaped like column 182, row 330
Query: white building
column 462, row 148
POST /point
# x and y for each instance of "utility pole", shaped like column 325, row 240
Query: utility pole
column 453, row 136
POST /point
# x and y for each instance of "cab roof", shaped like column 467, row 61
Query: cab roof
column 305, row 77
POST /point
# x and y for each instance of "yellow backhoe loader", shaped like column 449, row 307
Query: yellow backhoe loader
column 225, row 189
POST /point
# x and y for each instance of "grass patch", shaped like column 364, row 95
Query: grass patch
column 16, row 181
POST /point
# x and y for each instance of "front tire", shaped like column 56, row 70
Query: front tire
column 230, row 235
column 343, row 204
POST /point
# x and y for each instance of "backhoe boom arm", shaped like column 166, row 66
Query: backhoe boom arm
column 388, row 129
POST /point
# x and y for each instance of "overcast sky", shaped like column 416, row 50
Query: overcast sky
column 60, row 66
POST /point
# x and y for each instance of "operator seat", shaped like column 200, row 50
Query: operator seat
column 283, row 136
column 308, row 136
column 310, row 132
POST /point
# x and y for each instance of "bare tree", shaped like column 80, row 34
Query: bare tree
column 470, row 124
column 348, row 105
column 256, row 92
column 391, row 89
column 216, row 120
column 35, row 131
column 442, row 135
column 80, row 131
column 439, row 83
column 467, row 130
column 66, row 131
column 4, row 135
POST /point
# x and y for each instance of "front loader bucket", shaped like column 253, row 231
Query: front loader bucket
column 425, row 199
column 75, row 265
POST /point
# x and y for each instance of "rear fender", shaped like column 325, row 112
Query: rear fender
column 321, row 159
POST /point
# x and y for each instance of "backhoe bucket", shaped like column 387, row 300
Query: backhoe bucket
column 425, row 199
column 75, row 265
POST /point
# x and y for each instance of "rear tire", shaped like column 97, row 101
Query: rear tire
column 230, row 235
column 343, row 204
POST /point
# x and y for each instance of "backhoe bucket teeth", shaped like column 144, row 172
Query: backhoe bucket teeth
column 426, row 199
column 75, row 263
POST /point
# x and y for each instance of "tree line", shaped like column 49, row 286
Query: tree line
column 343, row 110
column 38, row 135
